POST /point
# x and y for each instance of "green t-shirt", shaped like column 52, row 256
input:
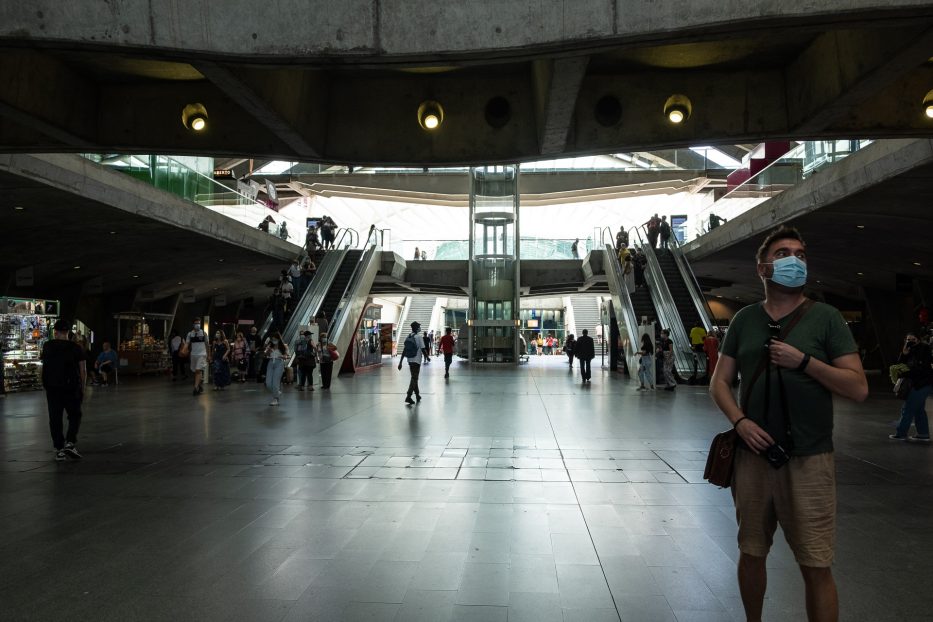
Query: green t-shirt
column 823, row 334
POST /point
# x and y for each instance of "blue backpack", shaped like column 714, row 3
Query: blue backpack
column 411, row 347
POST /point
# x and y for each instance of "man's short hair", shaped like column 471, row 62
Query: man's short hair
column 62, row 326
column 585, row 332
column 781, row 233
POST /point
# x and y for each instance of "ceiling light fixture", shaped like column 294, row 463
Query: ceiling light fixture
column 135, row 276
column 430, row 115
column 194, row 117
column 77, row 267
column 181, row 282
column 860, row 273
column 113, row 233
column 928, row 105
column 220, row 260
column 18, row 208
column 917, row 263
column 678, row 108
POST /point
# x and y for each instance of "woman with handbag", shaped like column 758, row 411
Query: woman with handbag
column 329, row 354
column 277, row 353
column 220, row 361
column 241, row 357
column 917, row 356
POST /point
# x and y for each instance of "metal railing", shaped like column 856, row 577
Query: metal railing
column 693, row 285
column 665, row 306
column 310, row 302
column 353, row 301
column 622, row 303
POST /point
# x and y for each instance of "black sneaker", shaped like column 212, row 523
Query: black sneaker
column 59, row 455
column 72, row 452
column 408, row 400
column 418, row 397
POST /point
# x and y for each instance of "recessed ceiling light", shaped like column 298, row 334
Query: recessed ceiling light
column 77, row 267
column 220, row 260
column 18, row 208
column 859, row 226
column 917, row 263
column 860, row 273
column 135, row 276
column 181, row 282
column 718, row 296
column 113, row 233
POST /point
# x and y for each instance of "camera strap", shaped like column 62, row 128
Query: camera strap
column 765, row 360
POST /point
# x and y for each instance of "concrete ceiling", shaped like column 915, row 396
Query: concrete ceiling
column 518, row 81
column 57, row 230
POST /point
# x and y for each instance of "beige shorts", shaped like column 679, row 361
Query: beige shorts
column 801, row 497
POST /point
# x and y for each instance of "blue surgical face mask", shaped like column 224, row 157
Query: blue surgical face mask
column 789, row 271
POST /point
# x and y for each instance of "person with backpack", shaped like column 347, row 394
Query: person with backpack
column 568, row 349
column 414, row 352
column 64, row 374
column 306, row 356
column 585, row 350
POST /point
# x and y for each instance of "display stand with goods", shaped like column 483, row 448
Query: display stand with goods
column 24, row 328
column 141, row 345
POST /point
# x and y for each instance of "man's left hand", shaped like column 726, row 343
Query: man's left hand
column 784, row 355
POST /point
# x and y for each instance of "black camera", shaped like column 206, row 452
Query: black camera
column 776, row 456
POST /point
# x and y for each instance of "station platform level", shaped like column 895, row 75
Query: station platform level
column 508, row 493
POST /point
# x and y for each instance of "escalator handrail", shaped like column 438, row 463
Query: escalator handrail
column 346, row 232
column 339, row 317
column 693, row 285
column 665, row 306
column 625, row 309
column 310, row 302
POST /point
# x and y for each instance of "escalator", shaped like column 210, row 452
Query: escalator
column 677, row 300
column 619, row 290
column 325, row 291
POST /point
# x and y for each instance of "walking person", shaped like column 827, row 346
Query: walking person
column 447, row 349
column 414, row 352
column 585, row 350
column 653, row 227
column 277, row 353
column 255, row 354
column 220, row 361
column 64, row 375
column 178, row 367
column 784, row 471
column 569, row 345
column 665, row 351
column 328, row 354
column 196, row 342
column 575, row 248
column 916, row 355
column 240, row 357
column 645, row 364
column 306, row 357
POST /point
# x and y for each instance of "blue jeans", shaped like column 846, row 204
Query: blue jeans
column 274, row 376
column 914, row 410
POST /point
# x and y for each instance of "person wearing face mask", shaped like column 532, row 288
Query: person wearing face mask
column 794, row 355
column 277, row 353
column 917, row 357
column 197, row 347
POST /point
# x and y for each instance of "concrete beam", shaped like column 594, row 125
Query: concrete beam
column 556, row 86
column 860, row 171
column 260, row 103
column 841, row 69
column 40, row 93
column 380, row 31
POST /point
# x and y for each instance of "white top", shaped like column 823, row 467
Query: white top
column 294, row 271
column 175, row 343
column 198, row 342
column 417, row 358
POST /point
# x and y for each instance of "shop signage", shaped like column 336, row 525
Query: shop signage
column 28, row 306
column 223, row 173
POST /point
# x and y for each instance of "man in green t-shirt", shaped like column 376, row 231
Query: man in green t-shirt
column 816, row 359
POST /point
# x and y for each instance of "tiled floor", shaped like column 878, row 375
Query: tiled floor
column 506, row 494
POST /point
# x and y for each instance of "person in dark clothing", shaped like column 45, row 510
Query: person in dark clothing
column 255, row 353
column 585, row 351
column 416, row 353
column 653, row 227
column 639, row 263
column 575, row 248
column 621, row 239
column 917, row 356
column 568, row 349
column 64, row 375
column 327, row 361
column 447, row 348
column 665, row 230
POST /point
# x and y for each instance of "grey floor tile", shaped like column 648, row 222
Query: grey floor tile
column 534, row 607
column 439, row 571
column 484, row 584
column 583, row 587
column 479, row 613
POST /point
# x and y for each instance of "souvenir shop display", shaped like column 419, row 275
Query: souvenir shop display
column 141, row 346
column 25, row 325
